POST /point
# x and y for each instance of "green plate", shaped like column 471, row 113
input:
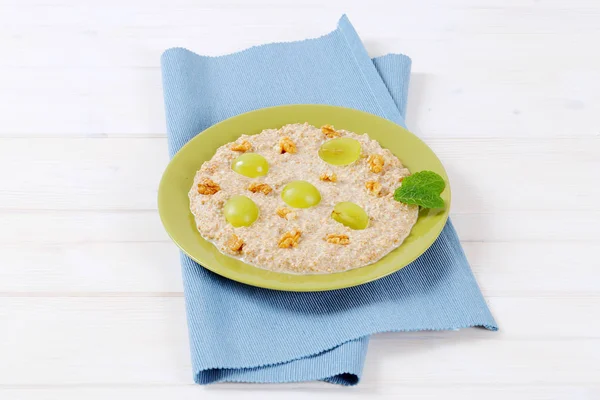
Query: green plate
column 173, row 202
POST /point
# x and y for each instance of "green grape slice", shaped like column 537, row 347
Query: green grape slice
column 240, row 211
column 300, row 194
column 340, row 151
column 351, row 215
column 251, row 165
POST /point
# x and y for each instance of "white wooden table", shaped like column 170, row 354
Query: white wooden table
column 507, row 92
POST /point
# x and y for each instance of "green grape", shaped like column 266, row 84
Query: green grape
column 350, row 214
column 251, row 165
column 340, row 151
column 300, row 194
column 240, row 211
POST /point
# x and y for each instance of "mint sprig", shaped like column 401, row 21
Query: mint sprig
column 423, row 189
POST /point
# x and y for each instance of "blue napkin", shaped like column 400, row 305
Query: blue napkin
column 240, row 333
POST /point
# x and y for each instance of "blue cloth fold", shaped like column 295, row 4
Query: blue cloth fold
column 240, row 333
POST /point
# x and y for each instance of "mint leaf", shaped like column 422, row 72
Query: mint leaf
column 421, row 188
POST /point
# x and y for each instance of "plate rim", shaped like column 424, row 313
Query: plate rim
column 229, row 274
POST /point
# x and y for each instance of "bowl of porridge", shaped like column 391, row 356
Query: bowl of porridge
column 300, row 198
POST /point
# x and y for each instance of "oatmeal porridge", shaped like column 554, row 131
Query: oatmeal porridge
column 273, row 201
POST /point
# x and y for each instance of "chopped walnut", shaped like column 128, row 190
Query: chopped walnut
column 338, row 239
column 376, row 163
column 329, row 131
column 328, row 177
column 286, row 145
column 235, row 244
column 260, row 187
column 290, row 239
column 243, row 147
column 373, row 187
column 285, row 213
column 208, row 186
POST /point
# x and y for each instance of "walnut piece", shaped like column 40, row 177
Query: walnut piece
column 208, row 186
column 329, row 131
column 286, row 145
column 376, row 162
column 373, row 187
column 260, row 187
column 338, row 239
column 290, row 239
column 243, row 147
column 328, row 177
column 285, row 213
column 235, row 244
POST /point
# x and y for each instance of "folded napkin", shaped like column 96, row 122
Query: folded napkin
column 240, row 333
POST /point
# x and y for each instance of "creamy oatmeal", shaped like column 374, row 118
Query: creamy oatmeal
column 303, row 240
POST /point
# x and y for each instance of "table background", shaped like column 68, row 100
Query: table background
column 506, row 92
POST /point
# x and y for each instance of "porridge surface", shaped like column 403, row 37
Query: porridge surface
column 323, row 245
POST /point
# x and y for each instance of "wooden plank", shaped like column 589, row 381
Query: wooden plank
column 440, row 106
column 478, row 71
column 83, row 341
column 487, row 175
column 61, row 227
column 78, row 268
column 82, row 173
column 528, row 226
column 546, row 268
column 151, row 269
column 138, row 109
column 315, row 390
column 51, row 227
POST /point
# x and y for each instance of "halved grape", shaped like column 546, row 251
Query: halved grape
column 340, row 151
column 240, row 211
column 300, row 194
column 251, row 165
column 351, row 215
